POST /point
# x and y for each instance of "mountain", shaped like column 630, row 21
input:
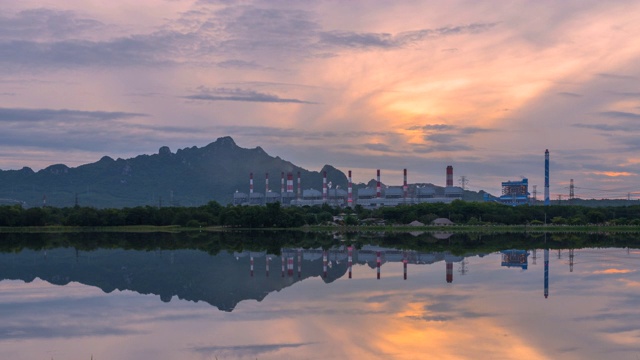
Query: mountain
column 189, row 177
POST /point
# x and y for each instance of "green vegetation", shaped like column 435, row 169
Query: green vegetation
column 469, row 215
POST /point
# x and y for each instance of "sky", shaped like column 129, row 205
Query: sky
column 484, row 86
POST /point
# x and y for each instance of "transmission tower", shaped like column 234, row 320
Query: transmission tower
column 571, row 193
column 463, row 181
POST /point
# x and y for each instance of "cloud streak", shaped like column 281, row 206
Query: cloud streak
column 245, row 95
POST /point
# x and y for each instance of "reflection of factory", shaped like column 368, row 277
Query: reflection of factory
column 292, row 262
column 367, row 197
column 515, row 258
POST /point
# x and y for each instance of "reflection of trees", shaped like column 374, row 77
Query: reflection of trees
column 273, row 241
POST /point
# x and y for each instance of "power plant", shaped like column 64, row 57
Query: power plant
column 366, row 197
column 514, row 193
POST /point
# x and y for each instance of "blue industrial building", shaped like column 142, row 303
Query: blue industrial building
column 515, row 192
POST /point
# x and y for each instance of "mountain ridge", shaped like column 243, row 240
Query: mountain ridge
column 191, row 176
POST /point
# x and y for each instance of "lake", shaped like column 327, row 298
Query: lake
column 151, row 296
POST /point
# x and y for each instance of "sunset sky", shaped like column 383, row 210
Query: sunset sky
column 484, row 86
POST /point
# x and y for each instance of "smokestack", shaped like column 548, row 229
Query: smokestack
column 546, row 177
column 449, row 271
column 405, row 187
column 290, row 183
column 350, row 192
column 282, row 183
column 299, row 187
column 378, row 188
column 266, row 184
column 449, row 176
column 250, row 183
column 378, row 264
column 324, row 186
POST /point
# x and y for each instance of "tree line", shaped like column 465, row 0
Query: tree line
column 277, row 216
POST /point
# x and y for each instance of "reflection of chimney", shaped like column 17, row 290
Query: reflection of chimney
column 378, row 263
column 378, row 188
column 350, row 257
column 546, row 273
column 299, row 263
column 268, row 261
column 404, row 263
column 449, row 176
column 290, row 266
column 250, row 183
column 449, row 272
column 282, row 265
column 251, row 259
column 350, row 192
column 324, row 263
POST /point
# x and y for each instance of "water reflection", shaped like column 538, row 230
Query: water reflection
column 348, row 301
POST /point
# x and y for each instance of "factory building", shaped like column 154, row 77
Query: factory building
column 515, row 192
column 366, row 197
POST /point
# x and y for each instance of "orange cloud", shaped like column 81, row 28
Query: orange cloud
column 613, row 173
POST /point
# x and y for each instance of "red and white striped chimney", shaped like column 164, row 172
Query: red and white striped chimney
column 282, row 183
column 290, row 183
column 449, row 176
column 250, row 183
column 324, row 186
column 405, row 187
column 350, row 192
column 266, row 184
column 378, row 188
column 299, row 187
column 449, row 271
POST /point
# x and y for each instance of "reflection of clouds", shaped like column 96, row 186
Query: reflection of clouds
column 245, row 350
column 613, row 271
column 14, row 332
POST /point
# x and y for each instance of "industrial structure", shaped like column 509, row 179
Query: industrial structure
column 366, row 197
column 547, row 201
column 515, row 192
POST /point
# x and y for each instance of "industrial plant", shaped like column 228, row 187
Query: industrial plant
column 366, row 197
column 514, row 193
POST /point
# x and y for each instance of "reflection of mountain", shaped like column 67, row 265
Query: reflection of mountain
column 222, row 280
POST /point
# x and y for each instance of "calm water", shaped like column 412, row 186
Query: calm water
column 63, row 303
